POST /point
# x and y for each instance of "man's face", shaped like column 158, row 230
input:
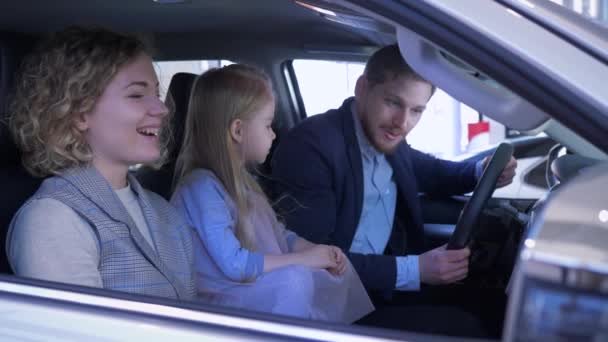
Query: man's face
column 389, row 111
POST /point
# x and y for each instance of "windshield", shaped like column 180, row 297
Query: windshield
column 594, row 10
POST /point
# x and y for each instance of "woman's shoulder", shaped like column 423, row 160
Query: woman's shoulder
column 49, row 201
column 45, row 205
column 52, row 214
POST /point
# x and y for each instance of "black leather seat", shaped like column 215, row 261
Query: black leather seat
column 160, row 180
column 16, row 184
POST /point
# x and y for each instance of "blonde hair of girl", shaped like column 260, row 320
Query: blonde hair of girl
column 218, row 97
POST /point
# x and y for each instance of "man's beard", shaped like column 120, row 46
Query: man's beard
column 368, row 131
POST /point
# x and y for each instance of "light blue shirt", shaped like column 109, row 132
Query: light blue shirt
column 209, row 209
column 378, row 211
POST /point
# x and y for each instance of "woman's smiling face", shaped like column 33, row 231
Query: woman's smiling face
column 123, row 127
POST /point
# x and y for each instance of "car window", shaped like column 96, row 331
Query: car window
column 595, row 10
column 325, row 84
column 166, row 70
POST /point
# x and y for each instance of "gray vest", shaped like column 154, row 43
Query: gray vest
column 126, row 261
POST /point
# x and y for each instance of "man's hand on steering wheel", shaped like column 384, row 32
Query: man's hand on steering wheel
column 508, row 173
column 440, row 266
column 501, row 164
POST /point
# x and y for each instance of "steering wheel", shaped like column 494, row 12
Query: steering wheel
column 483, row 190
column 549, row 175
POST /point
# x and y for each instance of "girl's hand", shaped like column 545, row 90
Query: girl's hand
column 340, row 262
column 320, row 256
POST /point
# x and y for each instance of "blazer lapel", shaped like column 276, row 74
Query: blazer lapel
column 406, row 184
column 159, row 235
column 97, row 189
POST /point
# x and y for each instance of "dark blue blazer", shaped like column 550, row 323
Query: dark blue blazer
column 318, row 177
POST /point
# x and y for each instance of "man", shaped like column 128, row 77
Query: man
column 348, row 178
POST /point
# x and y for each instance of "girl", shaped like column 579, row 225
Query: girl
column 86, row 107
column 241, row 250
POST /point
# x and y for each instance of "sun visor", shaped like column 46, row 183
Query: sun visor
column 468, row 85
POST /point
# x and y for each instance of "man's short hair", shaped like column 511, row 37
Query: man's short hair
column 386, row 64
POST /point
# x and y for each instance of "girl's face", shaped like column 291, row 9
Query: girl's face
column 258, row 134
column 123, row 127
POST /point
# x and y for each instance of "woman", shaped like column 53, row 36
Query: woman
column 85, row 109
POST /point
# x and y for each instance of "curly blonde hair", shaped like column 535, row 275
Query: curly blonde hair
column 61, row 80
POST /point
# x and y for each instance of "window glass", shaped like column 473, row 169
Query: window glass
column 325, row 84
column 595, row 10
column 166, row 70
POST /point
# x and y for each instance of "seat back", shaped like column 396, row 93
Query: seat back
column 16, row 184
column 160, row 180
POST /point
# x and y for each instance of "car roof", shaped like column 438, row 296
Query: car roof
column 278, row 21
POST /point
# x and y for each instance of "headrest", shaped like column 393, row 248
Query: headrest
column 159, row 181
column 13, row 48
column 179, row 90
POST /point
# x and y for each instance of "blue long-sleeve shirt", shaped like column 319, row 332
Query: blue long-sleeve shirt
column 208, row 208
column 378, row 210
